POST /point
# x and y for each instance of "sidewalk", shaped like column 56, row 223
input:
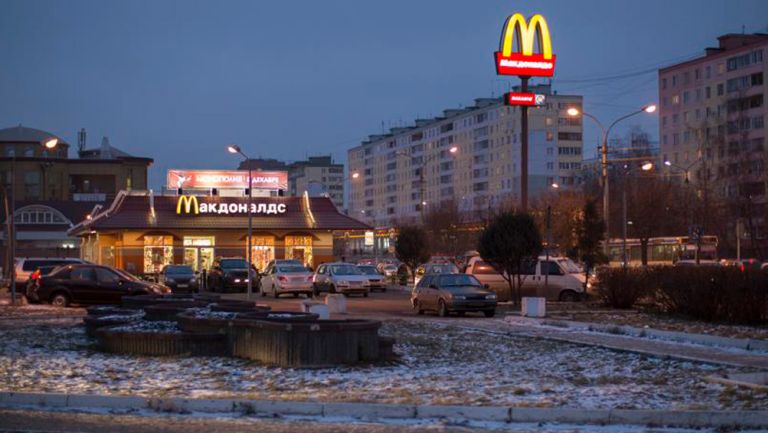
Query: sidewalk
column 658, row 348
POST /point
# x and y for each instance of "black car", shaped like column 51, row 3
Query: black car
column 229, row 273
column 90, row 284
column 180, row 278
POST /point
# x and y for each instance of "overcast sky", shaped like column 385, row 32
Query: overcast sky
column 178, row 80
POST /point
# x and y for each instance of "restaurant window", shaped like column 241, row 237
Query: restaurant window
column 299, row 248
column 158, row 252
column 262, row 251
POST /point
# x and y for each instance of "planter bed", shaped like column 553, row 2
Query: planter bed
column 92, row 323
column 159, row 339
column 204, row 320
column 108, row 310
column 142, row 301
column 167, row 311
column 239, row 306
column 307, row 343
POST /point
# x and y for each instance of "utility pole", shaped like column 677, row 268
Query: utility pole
column 524, row 148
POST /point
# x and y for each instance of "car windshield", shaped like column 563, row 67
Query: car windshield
column 234, row 264
column 570, row 266
column 442, row 269
column 390, row 267
column 368, row 270
column 126, row 275
column 179, row 270
column 458, row 280
column 345, row 270
column 291, row 269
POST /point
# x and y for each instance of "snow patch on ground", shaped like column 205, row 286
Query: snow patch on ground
column 440, row 364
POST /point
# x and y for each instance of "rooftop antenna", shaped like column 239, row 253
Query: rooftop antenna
column 81, row 136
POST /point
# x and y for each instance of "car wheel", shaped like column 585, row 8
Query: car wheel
column 460, row 313
column 60, row 300
column 417, row 307
column 365, row 294
column 332, row 289
column 442, row 309
column 261, row 289
column 568, row 296
column 489, row 313
column 315, row 290
column 274, row 292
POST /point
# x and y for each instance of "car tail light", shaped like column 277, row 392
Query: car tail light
column 35, row 275
column 282, row 278
column 311, row 278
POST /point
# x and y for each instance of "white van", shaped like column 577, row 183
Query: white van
column 564, row 282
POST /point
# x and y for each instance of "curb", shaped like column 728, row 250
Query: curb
column 749, row 344
column 379, row 411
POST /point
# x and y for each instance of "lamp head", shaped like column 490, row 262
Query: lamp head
column 647, row 166
column 355, row 175
column 573, row 111
column 668, row 163
column 453, row 149
column 555, row 185
column 650, row 108
column 50, row 144
column 233, row 148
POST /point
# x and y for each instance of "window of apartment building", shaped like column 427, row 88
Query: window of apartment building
column 720, row 89
column 391, row 199
column 480, row 145
column 368, row 172
column 480, row 118
column 664, row 141
column 686, row 97
column 569, row 136
column 550, row 166
column 391, row 188
column 32, row 185
column 674, row 80
column 446, row 178
column 391, row 144
column 446, row 192
column 685, row 116
column 664, row 101
column 550, row 151
column 686, row 136
column 392, row 165
column 675, row 99
column 550, row 135
column 686, row 77
column 480, row 159
column 663, row 83
column 569, row 151
column 391, row 177
column 480, row 172
column 480, row 132
column 707, row 92
column 548, row 121
column 391, row 211
column 369, row 203
column 698, row 94
column 417, row 136
column 757, row 79
column 664, row 120
column 675, row 139
column 569, row 121
column 368, row 192
column 698, row 114
column 708, row 72
column 758, row 122
column 720, row 68
column 446, row 127
column 368, row 182
column 481, row 186
column 697, row 73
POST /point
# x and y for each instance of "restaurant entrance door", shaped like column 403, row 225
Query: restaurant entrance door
column 198, row 252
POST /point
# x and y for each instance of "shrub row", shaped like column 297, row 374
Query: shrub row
column 722, row 294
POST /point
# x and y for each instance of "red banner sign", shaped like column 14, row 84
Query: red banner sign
column 226, row 179
column 529, row 99
column 534, row 65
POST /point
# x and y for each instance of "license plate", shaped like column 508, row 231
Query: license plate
column 182, row 286
column 477, row 305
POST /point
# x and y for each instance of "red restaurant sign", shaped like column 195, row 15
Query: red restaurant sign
column 529, row 99
column 226, row 179
column 525, row 62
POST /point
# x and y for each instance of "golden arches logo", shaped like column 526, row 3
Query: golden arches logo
column 188, row 203
column 525, row 62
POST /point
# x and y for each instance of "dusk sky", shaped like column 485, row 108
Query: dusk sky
column 178, row 80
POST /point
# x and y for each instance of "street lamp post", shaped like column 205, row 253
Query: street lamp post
column 554, row 186
column 647, row 166
column 233, row 148
column 604, row 158
column 686, row 179
column 48, row 144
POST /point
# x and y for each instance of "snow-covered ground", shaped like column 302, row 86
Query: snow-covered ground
column 440, row 364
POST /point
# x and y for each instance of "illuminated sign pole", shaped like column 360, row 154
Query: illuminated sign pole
column 525, row 64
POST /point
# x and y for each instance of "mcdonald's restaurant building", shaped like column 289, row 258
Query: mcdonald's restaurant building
column 141, row 232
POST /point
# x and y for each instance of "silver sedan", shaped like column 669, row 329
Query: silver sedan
column 290, row 278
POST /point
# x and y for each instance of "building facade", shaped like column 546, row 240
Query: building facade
column 712, row 122
column 318, row 175
column 469, row 156
column 53, row 192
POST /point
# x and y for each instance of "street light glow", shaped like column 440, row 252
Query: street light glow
column 555, row 185
column 233, row 148
column 649, row 108
column 355, row 175
column 573, row 111
column 453, row 149
column 647, row 166
column 668, row 163
column 50, row 144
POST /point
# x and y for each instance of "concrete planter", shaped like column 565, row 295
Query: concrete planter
column 159, row 343
column 94, row 323
column 239, row 306
column 168, row 310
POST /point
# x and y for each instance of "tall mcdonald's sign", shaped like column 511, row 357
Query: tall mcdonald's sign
column 525, row 62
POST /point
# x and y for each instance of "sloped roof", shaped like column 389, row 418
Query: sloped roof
column 22, row 134
column 132, row 212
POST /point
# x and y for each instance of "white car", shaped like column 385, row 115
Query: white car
column 558, row 279
column 341, row 278
column 281, row 278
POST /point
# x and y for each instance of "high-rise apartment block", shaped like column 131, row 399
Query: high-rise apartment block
column 468, row 156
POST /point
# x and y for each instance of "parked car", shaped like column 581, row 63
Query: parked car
column 564, row 282
column 340, row 277
column 692, row 263
column 376, row 280
column 434, row 268
column 286, row 276
column 38, row 273
column 180, row 278
column 90, row 284
column 388, row 269
column 26, row 265
column 447, row 293
column 229, row 273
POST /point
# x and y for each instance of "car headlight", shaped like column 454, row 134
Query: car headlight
column 490, row 297
column 237, row 280
column 589, row 285
column 459, row 297
column 343, row 283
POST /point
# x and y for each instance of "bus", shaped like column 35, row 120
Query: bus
column 664, row 250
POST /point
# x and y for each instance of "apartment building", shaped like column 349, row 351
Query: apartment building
column 469, row 156
column 712, row 121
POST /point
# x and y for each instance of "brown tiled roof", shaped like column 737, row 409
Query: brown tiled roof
column 133, row 212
